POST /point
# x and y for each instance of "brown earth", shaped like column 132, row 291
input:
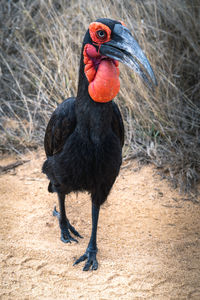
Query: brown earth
column 148, row 239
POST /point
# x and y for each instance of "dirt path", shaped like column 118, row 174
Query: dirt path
column 148, row 238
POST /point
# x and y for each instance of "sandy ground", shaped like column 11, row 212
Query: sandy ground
column 148, row 239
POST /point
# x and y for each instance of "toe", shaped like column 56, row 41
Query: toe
column 82, row 258
column 67, row 238
column 91, row 262
column 87, row 265
column 55, row 212
column 95, row 265
column 74, row 231
column 64, row 240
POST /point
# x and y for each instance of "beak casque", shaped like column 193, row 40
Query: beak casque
column 124, row 48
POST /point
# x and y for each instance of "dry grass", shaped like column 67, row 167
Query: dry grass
column 40, row 52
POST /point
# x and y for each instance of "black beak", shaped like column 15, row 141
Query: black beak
column 124, row 48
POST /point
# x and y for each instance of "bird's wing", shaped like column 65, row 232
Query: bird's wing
column 117, row 123
column 60, row 126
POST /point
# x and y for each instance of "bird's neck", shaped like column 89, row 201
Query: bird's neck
column 82, row 82
column 93, row 118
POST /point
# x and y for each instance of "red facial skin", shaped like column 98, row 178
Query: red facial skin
column 102, row 72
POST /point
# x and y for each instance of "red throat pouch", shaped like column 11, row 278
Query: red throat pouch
column 102, row 74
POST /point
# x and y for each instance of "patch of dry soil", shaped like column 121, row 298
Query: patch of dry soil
column 148, row 240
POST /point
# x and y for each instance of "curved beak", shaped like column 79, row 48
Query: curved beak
column 124, row 48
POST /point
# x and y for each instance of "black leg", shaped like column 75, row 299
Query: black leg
column 95, row 217
column 91, row 250
column 65, row 226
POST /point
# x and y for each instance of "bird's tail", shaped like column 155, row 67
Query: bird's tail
column 45, row 169
column 50, row 187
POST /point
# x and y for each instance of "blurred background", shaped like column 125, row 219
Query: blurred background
column 39, row 63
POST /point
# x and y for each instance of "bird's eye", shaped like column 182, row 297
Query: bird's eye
column 101, row 34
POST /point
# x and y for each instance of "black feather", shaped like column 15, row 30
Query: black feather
column 83, row 146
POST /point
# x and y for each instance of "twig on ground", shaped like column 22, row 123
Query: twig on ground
column 5, row 169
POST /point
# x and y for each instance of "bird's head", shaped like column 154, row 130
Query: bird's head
column 106, row 43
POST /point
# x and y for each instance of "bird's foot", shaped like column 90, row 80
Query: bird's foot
column 65, row 227
column 92, row 262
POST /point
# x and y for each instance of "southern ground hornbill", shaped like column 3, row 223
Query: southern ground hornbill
column 85, row 135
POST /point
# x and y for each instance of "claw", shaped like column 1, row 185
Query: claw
column 73, row 230
column 82, row 258
column 66, row 236
column 65, row 227
column 95, row 265
column 87, row 266
column 90, row 255
column 56, row 213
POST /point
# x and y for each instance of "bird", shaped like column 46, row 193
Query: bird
column 85, row 134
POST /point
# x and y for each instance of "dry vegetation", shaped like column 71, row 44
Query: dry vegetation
column 39, row 59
